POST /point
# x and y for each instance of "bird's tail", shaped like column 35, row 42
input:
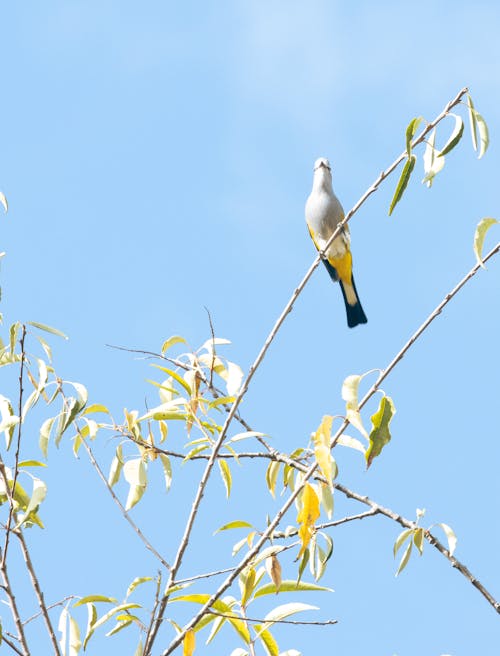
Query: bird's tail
column 354, row 311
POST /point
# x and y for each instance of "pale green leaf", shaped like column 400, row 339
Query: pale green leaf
column 31, row 463
column 272, row 476
column 482, row 228
column 95, row 407
column 92, row 618
column 402, row 537
column 268, row 641
column 433, row 163
column 140, row 650
column 350, row 396
column 75, row 643
column 484, row 137
column 450, row 536
column 122, row 624
column 37, row 496
column 114, row 611
column 351, row 442
column 405, row 558
column 135, row 474
column 45, row 435
column 472, row 121
column 245, row 435
column 418, row 540
column 167, row 470
column 175, row 376
column 62, row 626
column 139, row 580
column 3, row 201
column 403, row 182
column 94, row 599
column 47, row 329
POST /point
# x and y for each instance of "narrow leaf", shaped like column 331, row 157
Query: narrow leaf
column 380, row 434
column 189, row 643
column 236, row 524
column 226, row 475
column 405, row 558
column 451, row 537
column 472, row 121
column 403, row 182
column 3, row 201
column 168, row 343
column 484, row 137
column 410, row 132
column 47, row 329
column 455, row 137
column 350, row 396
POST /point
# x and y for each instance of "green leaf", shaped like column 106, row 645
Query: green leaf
column 403, row 182
column 472, row 121
column 95, row 407
column 37, row 496
column 410, row 132
column 482, row 228
column 92, row 618
column 114, row 611
column 226, row 475
column 116, row 467
column 455, row 137
column 450, row 536
column 289, row 586
column 236, row 524
column 405, row 558
column 13, row 331
column 380, row 434
column 222, row 400
column 168, row 343
column 47, row 329
column 31, row 463
column 175, row 376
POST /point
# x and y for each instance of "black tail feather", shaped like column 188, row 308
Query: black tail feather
column 355, row 313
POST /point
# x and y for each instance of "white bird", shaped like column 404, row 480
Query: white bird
column 323, row 214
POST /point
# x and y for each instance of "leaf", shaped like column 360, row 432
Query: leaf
column 189, row 643
column 274, row 570
column 47, row 329
column 350, row 396
column 410, row 132
column 175, row 376
column 168, row 343
column 37, row 496
column 3, row 201
column 226, row 475
column 290, row 586
column 307, row 516
column 90, row 599
column 268, row 641
column 236, row 524
column 95, row 407
column 92, row 618
column 135, row 474
column 139, row 580
column 75, row 642
column 140, row 650
column 472, row 121
column 45, row 435
column 233, row 378
column 247, row 585
column 327, row 497
column 322, row 453
column 221, row 607
column 31, row 463
column 380, row 434
column 482, row 228
column 405, row 558
column 418, row 540
column 455, row 137
column 167, row 470
column 351, row 442
column 432, row 162
column 402, row 537
column 450, row 536
column 284, row 611
column 403, row 182
column 484, row 137
column 116, row 467
column 245, row 435
column 62, row 626
column 272, row 476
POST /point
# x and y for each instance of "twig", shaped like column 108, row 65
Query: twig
column 320, row 527
column 11, row 645
column 38, row 591
column 103, row 478
column 18, row 447
column 260, row 357
column 12, row 600
column 264, row 621
column 54, row 605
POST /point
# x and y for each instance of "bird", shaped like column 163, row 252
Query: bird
column 323, row 214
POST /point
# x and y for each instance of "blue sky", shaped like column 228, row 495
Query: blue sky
column 156, row 159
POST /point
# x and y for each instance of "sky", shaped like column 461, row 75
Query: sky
column 156, row 158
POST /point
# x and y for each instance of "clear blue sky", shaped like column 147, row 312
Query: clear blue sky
column 157, row 157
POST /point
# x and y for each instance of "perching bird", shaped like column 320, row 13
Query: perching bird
column 323, row 213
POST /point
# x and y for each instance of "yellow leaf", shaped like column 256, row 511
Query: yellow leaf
column 189, row 643
column 322, row 452
column 307, row 516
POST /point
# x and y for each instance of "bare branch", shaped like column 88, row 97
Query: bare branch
column 262, row 620
column 103, row 478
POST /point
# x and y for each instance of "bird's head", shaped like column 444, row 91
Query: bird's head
column 322, row 163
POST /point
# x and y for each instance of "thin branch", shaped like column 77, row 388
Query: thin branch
column 260, row 357
column 12, row 602
column 264, row 621
column 18, row 447
column 320, row 527
column 11, row 645
column 54, row 605
column 103, row 478
column 38, row 591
